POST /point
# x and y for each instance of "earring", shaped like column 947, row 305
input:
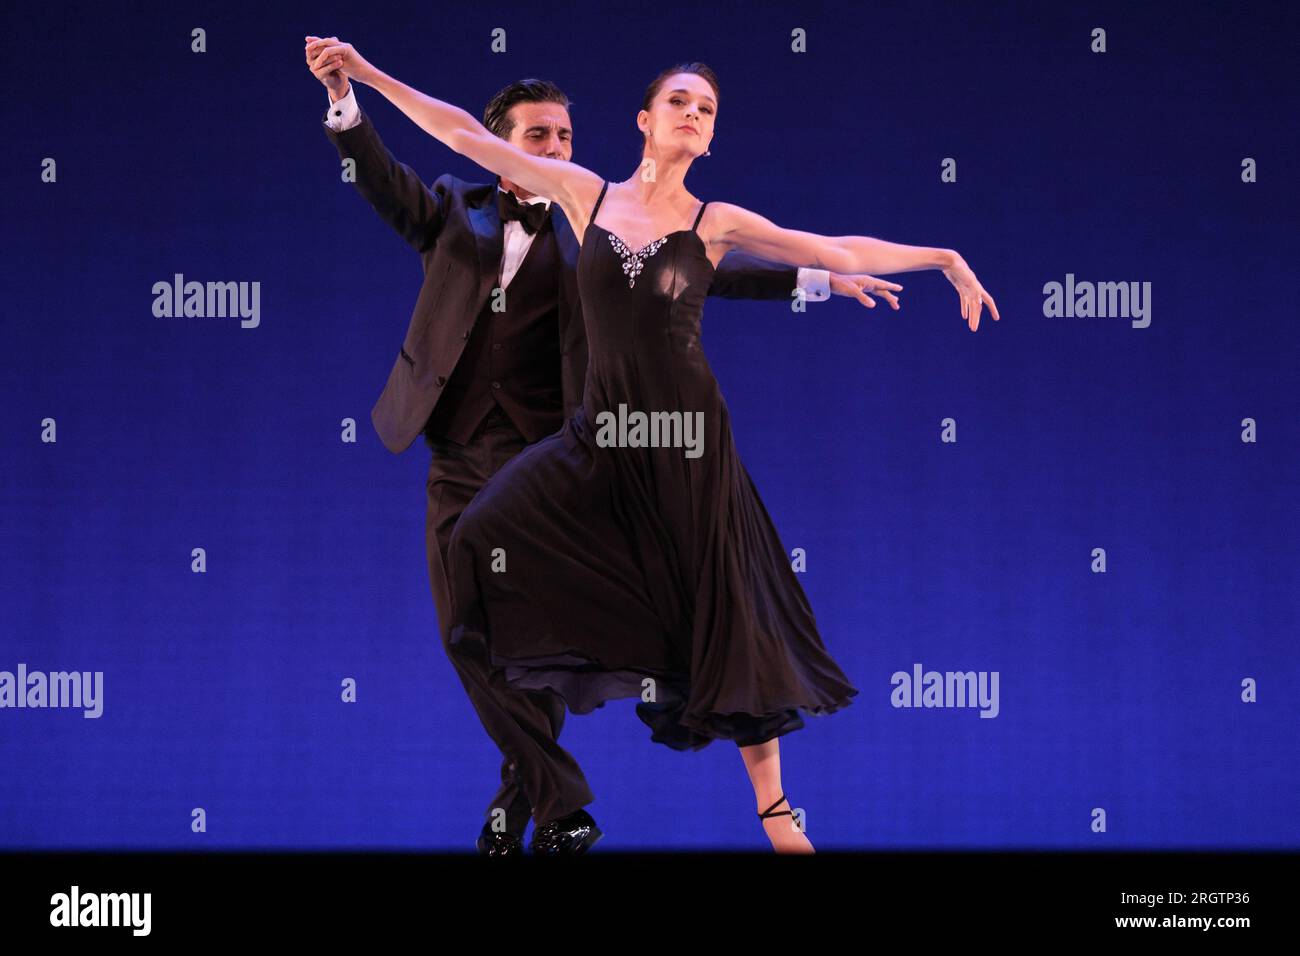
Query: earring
column 708, row 153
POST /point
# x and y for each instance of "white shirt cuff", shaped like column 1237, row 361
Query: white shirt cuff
column 816, row 284
column 344, row 114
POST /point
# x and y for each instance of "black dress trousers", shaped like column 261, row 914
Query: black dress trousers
column 539, row 778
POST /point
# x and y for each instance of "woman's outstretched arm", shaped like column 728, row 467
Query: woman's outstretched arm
column 736, row 228
column 568, row 184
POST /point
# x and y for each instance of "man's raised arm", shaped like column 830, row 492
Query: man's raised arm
column 394, row 190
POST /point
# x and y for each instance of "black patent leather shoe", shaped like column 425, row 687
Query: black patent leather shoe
column 491, row 843
column 568, row 836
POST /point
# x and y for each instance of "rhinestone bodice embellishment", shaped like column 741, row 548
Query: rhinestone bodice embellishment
column 634, row 262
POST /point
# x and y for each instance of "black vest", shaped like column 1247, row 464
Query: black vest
column 512, row 358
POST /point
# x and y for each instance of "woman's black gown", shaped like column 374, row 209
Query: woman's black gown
column 609, row 572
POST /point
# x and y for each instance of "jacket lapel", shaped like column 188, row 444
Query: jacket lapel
column 573, row 338
column 566, row 262
column 486, row 222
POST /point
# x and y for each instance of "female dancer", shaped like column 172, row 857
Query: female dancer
column 607, row 562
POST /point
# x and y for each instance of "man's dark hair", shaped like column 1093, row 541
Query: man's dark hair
column 496, row 115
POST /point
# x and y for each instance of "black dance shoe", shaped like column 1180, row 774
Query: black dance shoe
column 568, row 836
column 491, row 843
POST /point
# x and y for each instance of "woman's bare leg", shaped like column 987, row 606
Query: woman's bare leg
column 763, row 761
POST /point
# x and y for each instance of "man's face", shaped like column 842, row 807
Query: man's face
column 542, row 129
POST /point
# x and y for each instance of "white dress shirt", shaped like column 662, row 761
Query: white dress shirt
column 345, row 114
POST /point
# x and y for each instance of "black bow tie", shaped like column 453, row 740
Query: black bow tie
column 530, row 215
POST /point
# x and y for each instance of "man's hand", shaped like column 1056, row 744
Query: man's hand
column 327, row 71
column 858, row 286
column 329, row 55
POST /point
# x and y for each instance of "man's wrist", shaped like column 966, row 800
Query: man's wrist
column 340, row 94
column 815, row 283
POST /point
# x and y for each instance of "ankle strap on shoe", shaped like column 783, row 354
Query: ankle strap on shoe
column 768, row 812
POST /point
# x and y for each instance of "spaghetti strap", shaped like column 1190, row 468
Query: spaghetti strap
column 596, row 208
column 700, row 216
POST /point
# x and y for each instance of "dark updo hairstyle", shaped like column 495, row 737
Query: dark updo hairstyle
column 651, row 91
column 496, row 115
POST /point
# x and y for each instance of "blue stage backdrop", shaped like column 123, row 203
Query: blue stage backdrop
column 1091, row 512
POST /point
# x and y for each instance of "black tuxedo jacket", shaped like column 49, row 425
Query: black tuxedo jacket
column 456, row 229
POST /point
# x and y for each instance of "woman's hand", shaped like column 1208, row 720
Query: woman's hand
column 328, row 55
column 334, row 80
column 858, row 286
column 971, row 292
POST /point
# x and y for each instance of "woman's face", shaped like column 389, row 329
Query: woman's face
column 682, row 115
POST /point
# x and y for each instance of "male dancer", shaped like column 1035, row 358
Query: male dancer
column 494, row 359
